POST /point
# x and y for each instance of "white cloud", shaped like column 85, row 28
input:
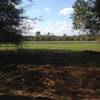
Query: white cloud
column 66, row 11
column 63, row 27
column 47, row 9
column 57, row 28
column 49, row 22
column 28, row 26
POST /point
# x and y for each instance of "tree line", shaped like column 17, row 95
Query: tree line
column 50, row 37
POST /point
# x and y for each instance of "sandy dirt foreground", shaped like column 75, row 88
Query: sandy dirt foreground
column 50, row 82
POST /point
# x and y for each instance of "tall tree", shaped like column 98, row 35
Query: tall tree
column 97, row 9
column 37, row 35
column 10, row 18
column 86, row 15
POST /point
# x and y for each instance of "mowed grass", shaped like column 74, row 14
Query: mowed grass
column 56, row 45
column 62, row 45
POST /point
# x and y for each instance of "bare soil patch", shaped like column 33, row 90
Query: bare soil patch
column 50, row 81
column 64, row 80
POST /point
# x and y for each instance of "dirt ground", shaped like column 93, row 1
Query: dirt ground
column 55, row 82
column 63, row 81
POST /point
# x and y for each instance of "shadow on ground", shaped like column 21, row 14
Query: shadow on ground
column 8, row 97
column 50, row 75
column 40, row 57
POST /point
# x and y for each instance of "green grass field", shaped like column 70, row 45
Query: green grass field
column 56, row 45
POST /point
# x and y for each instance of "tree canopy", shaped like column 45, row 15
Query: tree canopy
column 10, row 17
column 86, row 15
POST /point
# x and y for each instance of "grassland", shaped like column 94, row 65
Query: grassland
column 56, row 45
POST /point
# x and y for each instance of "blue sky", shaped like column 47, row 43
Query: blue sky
column 55, row 14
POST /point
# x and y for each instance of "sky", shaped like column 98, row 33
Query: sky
column 55, row 15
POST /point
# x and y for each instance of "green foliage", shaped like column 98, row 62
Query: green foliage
column 98, row 39
column 86, row 15
column 49, row 37
column 10, row 18
column 37, row 35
